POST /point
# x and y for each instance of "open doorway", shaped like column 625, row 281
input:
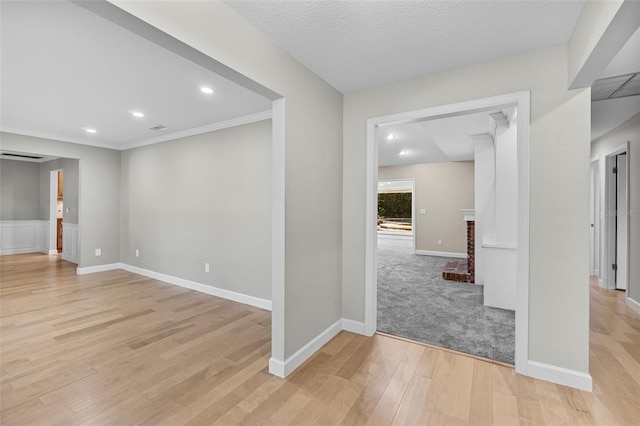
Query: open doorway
column 60, row 186
column 514, row 207
column 56, row 206
column 616, row 212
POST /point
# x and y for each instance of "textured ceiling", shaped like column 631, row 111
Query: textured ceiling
column 360, row 44
column 64, row 69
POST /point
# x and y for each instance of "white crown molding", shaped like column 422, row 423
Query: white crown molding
column 45, row 135
column 497, row 119
column 247, row 119
column 482, row 139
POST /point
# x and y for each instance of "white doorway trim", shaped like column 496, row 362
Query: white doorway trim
column 522, row 101
column 412, row 184
column 277, row 361
column 53, row 211
column 596, row 218
column 609, row 214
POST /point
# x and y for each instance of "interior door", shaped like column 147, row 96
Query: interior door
column 622, row 223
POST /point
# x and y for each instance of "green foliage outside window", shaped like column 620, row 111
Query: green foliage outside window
column 394, row 205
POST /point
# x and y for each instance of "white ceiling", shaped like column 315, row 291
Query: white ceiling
column 432, row 141
column 361, row 44
column 627, row 61
column 607, row 114
column 65, row 69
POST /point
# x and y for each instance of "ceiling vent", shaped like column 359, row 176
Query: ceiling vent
column 158, row 128
column 24, row 156
column 616, row 87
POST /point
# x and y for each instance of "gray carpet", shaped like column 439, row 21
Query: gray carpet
column 415, row 302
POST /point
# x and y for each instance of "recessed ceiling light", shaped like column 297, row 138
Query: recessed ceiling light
column 137, row 114
column 391, row 136
column 403, row 152
column 207, row 90
column 88, row 130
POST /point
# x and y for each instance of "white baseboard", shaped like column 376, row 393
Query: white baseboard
column 633, row 305
column 203, row 288
column 353, row 326
column 18, row 251
column 559, row 375
column 52, row 252
column 277, row 367
column 283, row 369
column 98, row 268
column 441, row 254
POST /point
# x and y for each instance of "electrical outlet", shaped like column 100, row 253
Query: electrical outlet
column 439, row 242
column 98, row 252
column 423, row 211
column 137, row 253
column 206, row 267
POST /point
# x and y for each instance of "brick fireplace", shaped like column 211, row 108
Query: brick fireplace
column 464, row 270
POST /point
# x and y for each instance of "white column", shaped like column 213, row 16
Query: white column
column 506, row 180
column 485, row 203
column 500, row 249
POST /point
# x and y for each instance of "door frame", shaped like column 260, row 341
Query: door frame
column 596, row 219
column 521, row 100
column 609, row 214
column 53, row 213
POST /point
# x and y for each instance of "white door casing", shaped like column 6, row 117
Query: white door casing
column 521, row 101
column 622, row 223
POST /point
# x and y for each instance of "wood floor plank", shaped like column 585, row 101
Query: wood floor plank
column 117, row 348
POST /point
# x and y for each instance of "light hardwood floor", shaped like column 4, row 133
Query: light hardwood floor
column 115, row 348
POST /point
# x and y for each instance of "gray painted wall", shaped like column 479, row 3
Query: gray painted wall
column 19, row 190
column 98, row 195
column 442, row 189
column 313, row 151
column 559, row 188
column 629, row 131
column 204, row 198
column 70, row 186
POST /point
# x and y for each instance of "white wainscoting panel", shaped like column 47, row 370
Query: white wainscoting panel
column 23, row 236
column 71, row 242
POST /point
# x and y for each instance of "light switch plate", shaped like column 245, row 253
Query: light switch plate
column 423, row 211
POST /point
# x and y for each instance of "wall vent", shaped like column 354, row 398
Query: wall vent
column 158, row 128
column 31, row 157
